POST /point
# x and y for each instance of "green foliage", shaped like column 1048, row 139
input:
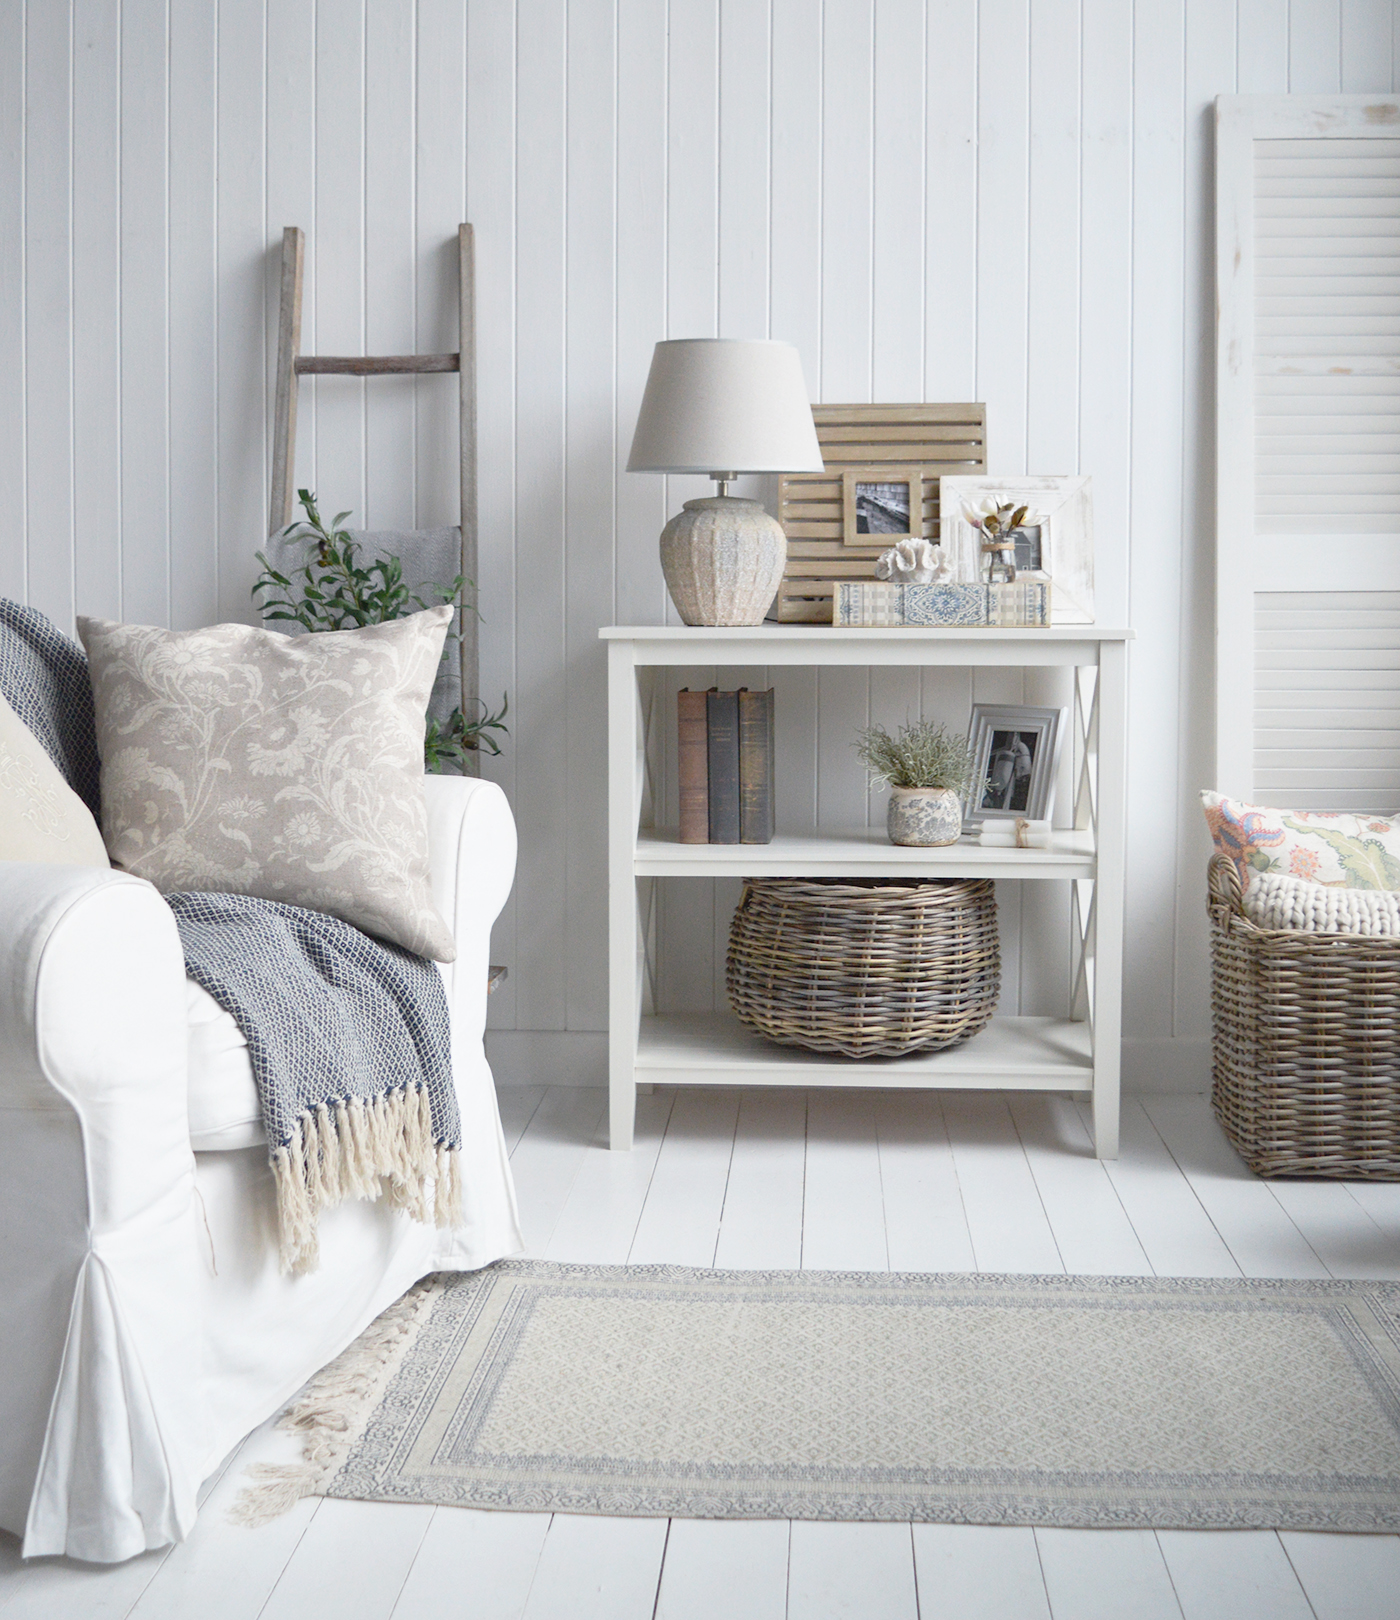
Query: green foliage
column 921, row 754
column 1366, row 861
column 334, row 591
column 455, row 743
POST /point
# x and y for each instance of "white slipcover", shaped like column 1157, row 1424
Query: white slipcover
column 144, row 1324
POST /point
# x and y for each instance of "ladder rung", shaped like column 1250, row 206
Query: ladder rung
column 374, row 365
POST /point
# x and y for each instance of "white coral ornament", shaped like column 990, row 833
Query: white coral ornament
column 914, row 562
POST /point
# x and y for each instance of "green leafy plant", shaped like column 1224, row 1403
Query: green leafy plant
column 335, row 591
column 919, row 755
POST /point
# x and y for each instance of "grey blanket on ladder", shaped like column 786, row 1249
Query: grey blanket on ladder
column 348, row 1037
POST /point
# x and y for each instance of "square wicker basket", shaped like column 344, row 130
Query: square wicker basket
column 1306, row 1043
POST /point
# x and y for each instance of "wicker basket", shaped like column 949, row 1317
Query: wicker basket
column 1306, row 1064
column 867, row 967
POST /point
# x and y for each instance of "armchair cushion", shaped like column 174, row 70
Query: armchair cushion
column 41, row 818
column 225, row 1112
column 471, row 842
column 286, row 768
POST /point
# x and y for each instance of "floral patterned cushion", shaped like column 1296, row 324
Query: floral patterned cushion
column 1321, row 846
column 286, row 767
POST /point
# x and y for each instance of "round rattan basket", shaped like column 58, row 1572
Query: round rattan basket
column 868, row 967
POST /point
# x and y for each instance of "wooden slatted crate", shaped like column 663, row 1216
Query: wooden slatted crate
column 935, row 439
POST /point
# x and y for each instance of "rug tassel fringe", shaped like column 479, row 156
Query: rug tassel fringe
column 333, row 1408
column 366, row 1150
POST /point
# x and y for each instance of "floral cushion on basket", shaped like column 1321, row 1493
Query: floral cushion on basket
column 1320, row 846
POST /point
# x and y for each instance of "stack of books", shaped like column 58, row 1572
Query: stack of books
column 726, row 766
column 1024, row 605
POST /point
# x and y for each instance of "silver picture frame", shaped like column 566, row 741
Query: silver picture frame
column 1015, row 757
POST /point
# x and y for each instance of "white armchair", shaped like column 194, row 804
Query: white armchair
column 145, row 1326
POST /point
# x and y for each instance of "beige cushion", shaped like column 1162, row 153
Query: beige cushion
column 1276, row 900
column 41, row 818
column 291, row 768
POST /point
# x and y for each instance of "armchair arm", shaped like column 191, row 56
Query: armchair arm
column 471, row 850
column 471, row 843
column 99, row 1267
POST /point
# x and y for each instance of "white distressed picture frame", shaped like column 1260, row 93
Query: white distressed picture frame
column 1065, row 505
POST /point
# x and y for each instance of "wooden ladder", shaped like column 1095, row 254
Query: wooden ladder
column 293, row 365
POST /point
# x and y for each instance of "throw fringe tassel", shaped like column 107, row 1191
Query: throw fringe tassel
column 332, row 1410
column 359, row 1149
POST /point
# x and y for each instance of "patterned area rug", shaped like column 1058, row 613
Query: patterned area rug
column 1076, row 1401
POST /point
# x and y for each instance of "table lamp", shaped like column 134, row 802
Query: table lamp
column 724, row 406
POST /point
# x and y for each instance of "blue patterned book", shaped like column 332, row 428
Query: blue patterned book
column 871, row 604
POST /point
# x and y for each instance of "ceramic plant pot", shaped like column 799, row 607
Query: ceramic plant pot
column 924, row 816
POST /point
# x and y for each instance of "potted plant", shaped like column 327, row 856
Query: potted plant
column 928, row 773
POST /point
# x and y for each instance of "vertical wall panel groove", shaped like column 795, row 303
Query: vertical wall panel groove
column 14, row 234
column 997, row 199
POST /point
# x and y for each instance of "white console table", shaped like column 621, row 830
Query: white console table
column 1077, row 1054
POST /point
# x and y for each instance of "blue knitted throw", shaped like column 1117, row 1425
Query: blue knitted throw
column 348, row 1036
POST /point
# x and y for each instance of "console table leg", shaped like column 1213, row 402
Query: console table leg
column 624, row 793
column 1108, row 894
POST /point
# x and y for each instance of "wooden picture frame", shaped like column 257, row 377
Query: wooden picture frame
column 1065, row 507
column 1031, row 794
column 935, row 439
column 916, row 481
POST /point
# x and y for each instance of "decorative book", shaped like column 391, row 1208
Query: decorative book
column 723, row 711
column 1024, row 605
column 724, row 760
column 693, row 766
column 755, row 766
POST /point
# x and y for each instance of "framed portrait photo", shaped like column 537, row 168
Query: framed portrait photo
column 1015, row 754
column 880, row 505
column 1054, row 544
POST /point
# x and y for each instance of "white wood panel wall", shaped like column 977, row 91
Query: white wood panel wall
column 1003, row 200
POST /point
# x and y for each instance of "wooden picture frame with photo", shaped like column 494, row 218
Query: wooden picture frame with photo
column 935, row 439
column 1064, row 505
column 1036, row 732
column 916, row 480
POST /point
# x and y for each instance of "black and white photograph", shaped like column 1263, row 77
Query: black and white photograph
column 1007, row 785
column 881, row 502
column 882, row 508
column 1026, row 542
column 1015, row 752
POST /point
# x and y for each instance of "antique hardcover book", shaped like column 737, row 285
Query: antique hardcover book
column 692, row 766
column 1024, row 605
column 722, row 709
column 755, row 767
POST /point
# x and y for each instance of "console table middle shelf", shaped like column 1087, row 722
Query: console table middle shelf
column 1078, row 1054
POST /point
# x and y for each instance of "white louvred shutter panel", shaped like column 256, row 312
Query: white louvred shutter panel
column 1308, row 500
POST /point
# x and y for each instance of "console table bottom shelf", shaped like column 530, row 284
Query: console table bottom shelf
column 1011, row 1054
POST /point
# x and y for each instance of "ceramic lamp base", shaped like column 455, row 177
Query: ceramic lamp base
column 723, row 558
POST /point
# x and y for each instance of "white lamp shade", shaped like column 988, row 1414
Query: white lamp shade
column 725, row 405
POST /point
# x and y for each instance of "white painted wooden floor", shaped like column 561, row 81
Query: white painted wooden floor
column 773, row 1179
